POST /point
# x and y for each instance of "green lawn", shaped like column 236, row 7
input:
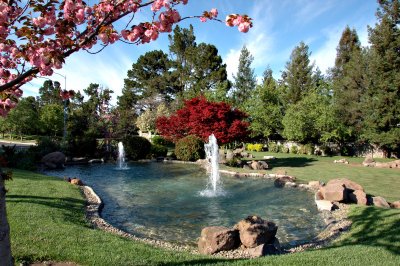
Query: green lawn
column 377, row 182
column 47, row 222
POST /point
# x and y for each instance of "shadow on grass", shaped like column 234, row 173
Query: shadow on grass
column 291, row 162
column 69, row 207
column 200, row 262
column 374, row 227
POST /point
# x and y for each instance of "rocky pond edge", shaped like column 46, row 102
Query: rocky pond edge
column 336, row 222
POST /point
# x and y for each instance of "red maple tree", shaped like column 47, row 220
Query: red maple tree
column 202, row 118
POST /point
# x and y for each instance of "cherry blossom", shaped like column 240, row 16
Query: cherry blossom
column 35, row 39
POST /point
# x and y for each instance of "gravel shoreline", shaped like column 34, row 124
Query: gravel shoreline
column 336, row 223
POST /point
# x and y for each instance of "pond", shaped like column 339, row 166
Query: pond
column 164, row 201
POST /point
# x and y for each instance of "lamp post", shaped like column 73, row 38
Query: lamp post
column 65, row 107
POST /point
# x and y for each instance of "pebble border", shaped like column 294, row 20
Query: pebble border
column 336, row 223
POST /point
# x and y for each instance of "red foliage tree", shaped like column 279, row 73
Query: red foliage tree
column 202, row 118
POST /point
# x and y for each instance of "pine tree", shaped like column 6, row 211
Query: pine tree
column 381, row 108
column 297, row 77
column 245, row 79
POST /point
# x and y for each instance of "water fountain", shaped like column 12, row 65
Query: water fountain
column 214, row 187
column 121, row 164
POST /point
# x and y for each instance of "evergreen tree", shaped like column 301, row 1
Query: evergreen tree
column 181, row 42
column 381, row 104
column 49, row 93
column 348, row 82
column 149, row 76
column 244, row 80
column 265, row 108
column 297, row 77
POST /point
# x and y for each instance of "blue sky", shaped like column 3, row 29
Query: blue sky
column 279, row 26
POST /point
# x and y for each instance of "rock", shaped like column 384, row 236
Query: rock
column 333, row 192
column 281, row 172
column 395, row 205
column 217, row 238
column 265, row 249
column 54, row 160
column 382, row 165
column 324, row 205
column 380, row 202
column 244, row 154
column 99, row 160
column 359, row 197
column 229, row 155
column 281, row 180
column 263, row 164
column 341, row 161
column 348, row 184
column 290, row 184
column 314, row 184
column 255, row 165
column 254, row 231
column 76, row 181
column 318, row 195
column 368, row 162
column 269, row 157
column 67, row 179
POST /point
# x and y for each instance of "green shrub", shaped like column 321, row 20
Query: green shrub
column 136, row 147
column 45, row 145
column 189, row 148
column 294, row 149
column 274, row 147
column 158, row 140
column 309, row 149
column 326, row 150
column 285, row 149
column 158, row 151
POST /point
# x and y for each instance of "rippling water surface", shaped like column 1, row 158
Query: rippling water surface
column 163, row 201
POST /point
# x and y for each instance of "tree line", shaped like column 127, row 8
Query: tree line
column 356, row 101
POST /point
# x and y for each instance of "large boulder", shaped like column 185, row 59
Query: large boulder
column 395, row 205
column 380, row 202
column 217, row 238
column 333, row 192
column 369, row 162
column 254, row 231
column 259, row 165
column 273, row 248
column 340, row 190
column 54, row 160
column 358, row 196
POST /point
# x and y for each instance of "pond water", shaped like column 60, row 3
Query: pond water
column 163, row 201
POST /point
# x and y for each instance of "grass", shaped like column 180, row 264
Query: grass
column 376, row 181
column 47, row 222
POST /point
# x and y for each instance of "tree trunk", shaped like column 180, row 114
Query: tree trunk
column 5, row 246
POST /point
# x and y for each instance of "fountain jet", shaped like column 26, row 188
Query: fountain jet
column 121, row 164
column 214, row 187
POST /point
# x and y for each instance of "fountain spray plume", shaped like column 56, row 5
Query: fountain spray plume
column 212, row 155
column 121, row 164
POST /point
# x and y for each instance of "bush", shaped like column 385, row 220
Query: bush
column 158, row 151
column 254, row 147
column 327, row 151
column 82, row 146
column 158, row 140
column 136, row 147
column 45, row 145
column 294, row 149
column 307, row 149
column 274, row 147
column 189, row 148
column 285, row 149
